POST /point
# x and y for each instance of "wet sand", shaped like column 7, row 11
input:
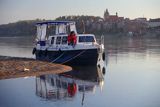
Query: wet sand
column 14, row 67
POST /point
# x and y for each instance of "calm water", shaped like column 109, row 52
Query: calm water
column 131, row 78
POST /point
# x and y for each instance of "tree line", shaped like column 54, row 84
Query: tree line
column 84, row 24
column 27, row 27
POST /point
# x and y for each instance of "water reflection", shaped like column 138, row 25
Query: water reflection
column 66, row 86
column 125, row 45
column 16, row 46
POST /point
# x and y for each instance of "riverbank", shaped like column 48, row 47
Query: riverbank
column 14, row 67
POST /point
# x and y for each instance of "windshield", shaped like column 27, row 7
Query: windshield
column 86, row 39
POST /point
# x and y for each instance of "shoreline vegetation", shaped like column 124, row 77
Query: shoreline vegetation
column 15, row 67
column 91, row 24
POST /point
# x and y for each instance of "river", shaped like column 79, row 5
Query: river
column 131, row 77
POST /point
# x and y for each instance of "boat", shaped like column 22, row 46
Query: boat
column 55, row 47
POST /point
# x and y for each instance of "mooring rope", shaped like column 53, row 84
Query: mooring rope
column 57, row 57
column 73, row 57
column 52, row 60
column 64, row 61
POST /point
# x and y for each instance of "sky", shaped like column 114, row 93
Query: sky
column 16, row 10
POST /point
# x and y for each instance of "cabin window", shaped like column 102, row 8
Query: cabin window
column 52, row 40
column 86, row 39
column 64, row 85
column 58, row 41
column 64, row 40
column 58, row 83
column 52, row 82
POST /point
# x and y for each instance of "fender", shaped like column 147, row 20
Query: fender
column 34, row 51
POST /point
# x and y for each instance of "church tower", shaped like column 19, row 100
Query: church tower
column 106, row 15
column 116, row 14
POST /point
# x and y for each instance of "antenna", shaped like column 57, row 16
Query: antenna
column 84, row 29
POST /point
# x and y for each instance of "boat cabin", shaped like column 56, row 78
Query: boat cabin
column 54, row 36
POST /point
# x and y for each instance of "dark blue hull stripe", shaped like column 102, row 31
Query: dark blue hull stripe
column 76, row 57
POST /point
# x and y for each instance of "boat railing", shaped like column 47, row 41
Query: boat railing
column 100, row 40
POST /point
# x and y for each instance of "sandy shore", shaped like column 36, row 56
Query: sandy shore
column 14, row 67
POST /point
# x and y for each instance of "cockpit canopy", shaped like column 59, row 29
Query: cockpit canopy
column 61, row 27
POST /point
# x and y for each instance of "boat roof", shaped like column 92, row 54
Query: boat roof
column 56, row 22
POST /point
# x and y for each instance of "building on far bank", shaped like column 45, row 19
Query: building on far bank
column 154, row 26
column 141, row 19
column 153, row 23
column 112, row 18
column 113, row 23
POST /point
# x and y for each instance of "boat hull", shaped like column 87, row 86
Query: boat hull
column 69, row 57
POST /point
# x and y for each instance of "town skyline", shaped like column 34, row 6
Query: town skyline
column 16, row 10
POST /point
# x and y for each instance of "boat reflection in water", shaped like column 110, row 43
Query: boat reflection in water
column 66, row 86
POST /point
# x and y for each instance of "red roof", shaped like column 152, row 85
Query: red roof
column 114, row 18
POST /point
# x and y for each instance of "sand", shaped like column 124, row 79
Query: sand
column 23, row 67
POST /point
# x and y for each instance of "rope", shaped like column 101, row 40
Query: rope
column 64, row 61
column 68, row 59
column 52, row 61
column 57, row 58
column 73, row 57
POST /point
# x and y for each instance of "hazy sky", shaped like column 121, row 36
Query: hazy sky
column 15, row 10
